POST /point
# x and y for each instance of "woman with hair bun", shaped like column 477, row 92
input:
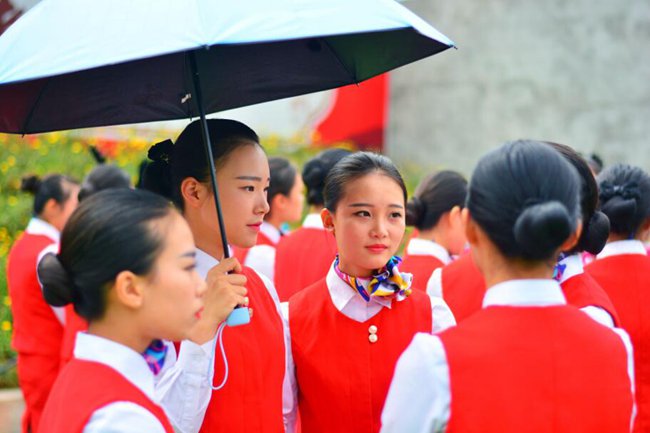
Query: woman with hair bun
column 623, row 267
column 526, row 361
column 38, row 328
column 304, row 257
column 127, row 264
column 285, row 197
column 258, row 395
column 435, row 211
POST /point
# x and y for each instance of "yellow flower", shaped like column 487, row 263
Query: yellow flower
column 4, row 167
column 7, row 301
column 12, row 200
column 11, row 160
column 77, row 147
column 6, row 325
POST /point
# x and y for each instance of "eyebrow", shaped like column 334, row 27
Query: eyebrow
column 371, row 205
column 190, row 254
column 253, row 178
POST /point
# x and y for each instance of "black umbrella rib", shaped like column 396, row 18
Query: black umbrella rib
column 350, row 74
column 34, row 106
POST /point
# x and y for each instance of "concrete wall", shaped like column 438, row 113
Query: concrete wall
column 572, row 71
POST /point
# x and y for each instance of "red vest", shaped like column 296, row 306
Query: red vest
column 36, row 328
column 251, row 400
column 73, row 324
column 242, row 253
column 421, row 266
column 82, row 388
column 301, row 259
column 582, row 291
column 626, row 279
column 342, row 376
column 532, row 369
column 463, row 287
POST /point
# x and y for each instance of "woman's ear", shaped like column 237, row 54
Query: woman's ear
column 573, row 239
column 470, row 226
column 328, row 220
column 193, row 192
column 128, row 289
column 456, row 216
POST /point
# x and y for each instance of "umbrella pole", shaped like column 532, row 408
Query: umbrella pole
column 207, row 144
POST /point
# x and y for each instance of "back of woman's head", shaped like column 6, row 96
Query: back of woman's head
column 315, row 172
column 174, row 162
column 52, row 186
column 525, row 196
column 103, row 177
column 355, row 166
column 624, row 197
column 283, row 177
column 595, row 224
column 437, row 193
column 112, row 231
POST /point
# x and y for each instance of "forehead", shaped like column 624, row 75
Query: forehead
column 373, row 187
column 247, row 157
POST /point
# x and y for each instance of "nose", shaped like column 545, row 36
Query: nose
column 379, row 229
column 262, row 206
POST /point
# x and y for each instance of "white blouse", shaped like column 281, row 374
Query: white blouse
column 262, row 257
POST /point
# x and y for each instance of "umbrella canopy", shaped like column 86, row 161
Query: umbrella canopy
column 76, row 63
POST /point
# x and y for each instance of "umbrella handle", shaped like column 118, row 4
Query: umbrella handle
column 207, row 145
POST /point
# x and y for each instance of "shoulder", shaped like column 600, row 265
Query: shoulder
column 123, row 417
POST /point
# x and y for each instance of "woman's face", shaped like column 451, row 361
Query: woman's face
column 59, row 213
column 243, row 181
column 295, row 200
column 368, row 223
column 173, row 291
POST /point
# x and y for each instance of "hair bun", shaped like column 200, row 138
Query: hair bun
column 541, row 228
column 595, row 234
column 415, row 210
column 30, row 184
column 313, row 176
column 161, row 152
column 56, row 282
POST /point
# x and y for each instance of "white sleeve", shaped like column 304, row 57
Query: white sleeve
column 262, row 259
column 123, row 417
column 443, row 318
column 434, row 285
column 289, row 385
column 184, row 388
column 598, row 314
column 419, row 396
column 630, row 369
column 59, row 312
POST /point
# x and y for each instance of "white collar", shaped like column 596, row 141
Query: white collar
column 525, row 293
column 204, row 262
column 618, row 248
column 270, row 232
column 573, row 266
column 120, row 358
column 313, row 221
column 38, row 226
column 342, row 294
column 424, row 247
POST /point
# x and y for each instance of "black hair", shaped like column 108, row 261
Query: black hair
column 174, row 162
column 315, row 172
column 624, row 197
column 595, row 162
column 595, row 224
column 437, row 193
column 46, row 188
column 108, row 233
column 353, row 167
column 103, row 177
column 525, row 196
column 283, row 178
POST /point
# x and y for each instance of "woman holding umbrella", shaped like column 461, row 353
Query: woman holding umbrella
column 258, row 392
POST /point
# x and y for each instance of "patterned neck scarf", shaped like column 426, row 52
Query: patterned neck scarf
column 560, row 267
column 155, row 355
column 386, row 282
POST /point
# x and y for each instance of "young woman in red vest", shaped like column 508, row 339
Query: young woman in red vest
column 348, row 329
column 623, row 266
column 435, row 212
column 102, row 177
column 285, row 197
column 462, row 286
column 304, row 256
column 127, row 264
column 527, row 361
column 258, row 394
column 38, row 329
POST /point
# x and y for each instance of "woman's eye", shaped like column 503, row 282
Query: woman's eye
column 249, row 188
column 362, row 213
column 191, row 267
column 396, row 215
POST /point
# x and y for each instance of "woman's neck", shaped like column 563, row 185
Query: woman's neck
column 502, row 269
column 204, row 237
column 353, row 270
column 120, row 332
column 274, row 221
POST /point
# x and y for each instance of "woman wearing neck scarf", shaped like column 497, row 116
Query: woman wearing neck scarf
column 348, row 329
column 127, row 264
column 623, row 267
column 527, row 361
column 257, row 395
